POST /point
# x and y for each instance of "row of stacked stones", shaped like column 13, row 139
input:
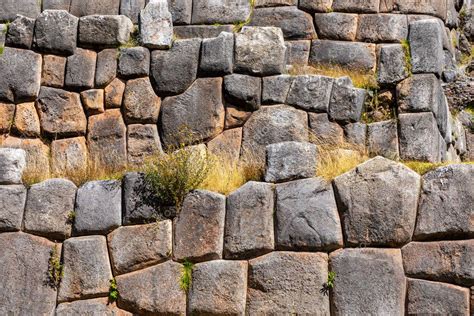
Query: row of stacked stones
column 70, row 98
column 397, row 242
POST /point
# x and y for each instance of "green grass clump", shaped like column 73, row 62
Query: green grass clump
column 406, row 49
column 186, row 276
column 55, row 268
column 113, row 290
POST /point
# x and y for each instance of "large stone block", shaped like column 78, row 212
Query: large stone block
column 54, row 70
column 140, row 103
column 346, row 103
column 367, row 6
column 199, row 109
column 294, row 23
column 419, row 93
column 20, row 32
column 210, row 12
column 99, row 306
column 382, row 28
column 368, row 281
column 310, row 93
column 7, row 114
column 445, row 261
column 69, row 156
column 181, row 11
column 61, row 112
column 426, row 46
column 132, row 9
column 106, row 67
column 114, row 94
column 430, row 7
column 201, row 31
column 80, row 69
column 297, row 52
column 445, row 208
column 153, row 290
column 48, row 208
column 259, row 51
column 218, row 287
column 321, row 6
column 12, row 164
column 56, row 32
column 217, row 55
column 290, row 281
column 91, row 7
column 243, row 91
column 174, row 70
column 93, row 101
column 367, row 196
column 26, row 288
column 156, row 25
column 382, row 139
column 356, row 134
column 86, row 268
column 21, row 75
column 199, row 227
column 227, row 145
column 143, row 142
column 140, row 246
column 10, row 8
column 307, row 217
column 325, row 131
column 249, row 221
column 275, row 89
column 134, row 62
column 12, row 204
column 104, row 30
column 336, row 26
column 391, row 66
column 56, row 4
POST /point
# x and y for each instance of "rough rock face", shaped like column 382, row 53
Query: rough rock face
column 89, row 7
column 12, row 204
column 69, row 156
column 275, row 89
column 426, row 46
column 227, row 144
column 26, row 121
column 367, row 196
column 243, row 91
column 336, row 25
column 93, row 101
column 114, row 94
column 7, row 112
column 134, row 62
column 382, row 139
column 375, row 28
column 288, row 280
column 12, row 164
column 9, row 9
column 106, row 68
column 368, row 281
column 80, row 69
column 54, row 69
column 20, row 32
column 104, row 30
column 369, row 6
column 327, row 132
column 99, row 306
column 181, row 11
column 346, row 103
column 310, row 93
column 156, row 25
column 209, row 12
column 217, row 54
column 143, row 142
column 56, row 32
column 419, row 93
column 141, row 104
column 391, row 65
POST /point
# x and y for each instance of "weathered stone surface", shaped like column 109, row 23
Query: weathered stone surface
column 436, row 8
column 90, row 7
column 12, row 204
column 132, row 9
column 370, row 6
column 367, row 196
column 136, row 247
column 336, row 26
column 325, row 131
column 54, row 70
column 143, row 142
column 7, row 113
column 181, row 11
column 445, row 261
column 98, row 207
column 274, row 3
column 20, row 32
column 199, row 109
column 426, row 46
column 290, row 160
column 104, row 30
column 24, row 274
column 86, row 268
column 426, row 297
column 355, row 133
column 382, row 139
column 346, row 102
column 275, row 89
column 13, row 162
column 69, row 156
column 26, row 121
column 156, row 25
column 134, row 62
column 141, row 104
column 316, row 6
column 80, row 69
column 259, row 51
column 61, row 112
column 243, row 91
column 201, row 31
column 235, row 117
column 378, row 28
column 310, row 92
column 199, row 227
column 294, row 23
column 210, row 12
column 21, row 75
column 56, row 4
column 153, row 290
column 391, row 67
column 227, row 145
column 282, row 123
column 173, row 71
column 56, row 32
column 114, row 94
column 345, row 54
column 446, row 203
column 418, row 137
column 249, row 221
column 93, row 101
column 106, row 68
column 100, row 306
column 290, row 281
column 297, row 52
column 217, row 55
column 419, row 93
column 218, row 287
column 368, row 281
column 10, row 8
column 106, row 139
column 307, row 217
column 48, row 206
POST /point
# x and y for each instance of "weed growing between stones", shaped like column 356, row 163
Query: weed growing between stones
column 240, row 24
column 55, row 268
column 406, row 49
column 186, row 276
column 422, row 167
column 378, row 107
column 329, row 284
column 71, row 216
column 134, row 40
column 113, row 290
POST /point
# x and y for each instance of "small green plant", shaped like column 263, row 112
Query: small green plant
column 240, row 24
column 186, row 276
column 134, row 40
column 329, row 285
column 71, row 216
column 406, row 49
column 377, row 108
column 113, row 290
column 55, row 268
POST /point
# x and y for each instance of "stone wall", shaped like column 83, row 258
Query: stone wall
column 397, row 242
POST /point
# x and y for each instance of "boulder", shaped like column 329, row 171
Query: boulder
column 325, row 131
column 199, row 109
column 143, row 142
column 11, row 8
column 20, row 32
column 104, row 30
column 174, row 70
column 210, row 12
column 217, row 55
column 93, row 101
column 227, row 145
column 391, row 67
column 436, row 8
column 444, row 261
column 140, row 103
column 285, row 278
column 134, row 62
column 54, row 71
column 49, row 205
column 290, row 160
column 26, row 121
column 24, row 274
column 310, row 92
column 275, row 89
column 156, row 25
column 12, row 164
column 259, row 51
column 355, row 134
column 61, row 112
column 69, row 157
column 336, row 26
column 243, row 91
column 426, row 46
column 382, row 28
column 140, row 246
column 114, row 94
column 346, row 103
column 91, row 7
column 367, row 196
column 382, row 139
column 249, row 221
column 56, row 32
column 106, row 67
column 307, row 217
column 321, row 6
column 297, row 52
column 199, row 227
column 218, row 287
column 369, row 6
column 21, row 75
column 80, row 69
column 86, row 268
column 201, row 31
column 181, row 11
column 368, row 281
column 132, row 9
column 85, row 307
column 12, row 204
column 7, row 114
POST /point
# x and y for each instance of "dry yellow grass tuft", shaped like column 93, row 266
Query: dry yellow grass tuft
column 423, row 167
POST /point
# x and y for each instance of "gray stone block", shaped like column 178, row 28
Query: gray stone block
column 391, row 67
column 102, row 31
column 275, row 3
column 325, row 131
column 227, row 145
column 368, row 6
column 56, row 4
column 310, row 92
column 106, row 67
column 355, row 133
column 249, row 221
column 210, row 12
column 201, row 31
column 419, row 93
column 243, row 91
column 134, row 62
column 132, row 9
column 426, row 46
column 93, row 306
column 139, row 92
column 10, row 9
column 12, row 204
column 321, row 6
column 275, row 89
column 98, row 207
column 382, row 28
column 56, row 32
column 80, row 69
column 93, row 7
column 20, row 32
column 53, row 72
column 336, row 26
column 297, row 52
column 181, row 11
column 346, row 102
column 436, row 8
column 217, row 55
column 143, row 142
column 12, row 164
column 382, row 139
column 156, row 25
